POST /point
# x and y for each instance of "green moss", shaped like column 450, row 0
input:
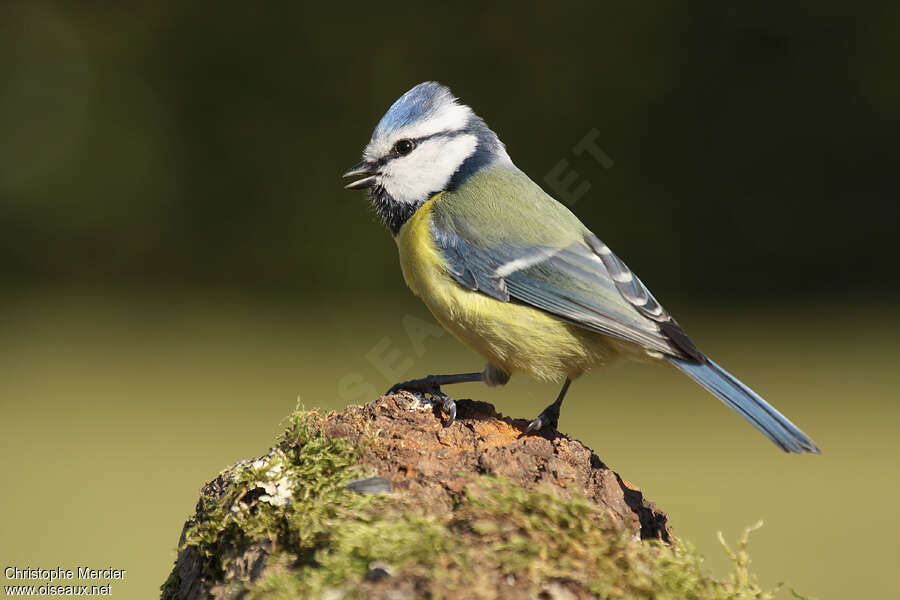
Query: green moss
column 404, row 542
column 323, row 536
column 170, row 587
column 291, row 496
column 539, row 538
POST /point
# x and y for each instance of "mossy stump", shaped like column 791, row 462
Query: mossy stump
column 381, row 501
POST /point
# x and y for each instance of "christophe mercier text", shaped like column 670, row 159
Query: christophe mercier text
column 57, row 573
column 60, row 574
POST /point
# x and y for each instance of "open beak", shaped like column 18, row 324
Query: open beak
column 364, row 168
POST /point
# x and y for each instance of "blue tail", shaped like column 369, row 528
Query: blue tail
column 748, row 404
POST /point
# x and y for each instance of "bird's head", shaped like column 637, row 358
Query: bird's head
column 426, row 143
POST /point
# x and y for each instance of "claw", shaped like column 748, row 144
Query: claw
column 401, row 387
column 448, row 404
column 424, row 386
column 535, row 425
column 548, row 419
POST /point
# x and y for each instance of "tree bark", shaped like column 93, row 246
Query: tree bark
column 405, row 451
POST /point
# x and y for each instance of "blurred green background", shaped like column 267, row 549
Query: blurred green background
column 179, row 263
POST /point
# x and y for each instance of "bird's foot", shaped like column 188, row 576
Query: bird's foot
column 426, row 385
column 548, row 419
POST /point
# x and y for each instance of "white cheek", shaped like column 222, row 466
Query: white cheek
column 428, row 169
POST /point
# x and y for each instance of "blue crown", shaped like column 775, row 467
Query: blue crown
column 418, row 103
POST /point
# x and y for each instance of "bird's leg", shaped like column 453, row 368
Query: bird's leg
column 431, row 385
column 434, row 382
column 550, row 415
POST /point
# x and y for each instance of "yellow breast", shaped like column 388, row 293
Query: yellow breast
column 511, row 336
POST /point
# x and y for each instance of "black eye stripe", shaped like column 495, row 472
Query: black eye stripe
column 416, row 141
column 392, row 155
column 447, row 134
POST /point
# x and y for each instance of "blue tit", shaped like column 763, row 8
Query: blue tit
column 512, row 273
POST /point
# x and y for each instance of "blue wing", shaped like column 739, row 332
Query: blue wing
column 587, row 284
column 582, row 282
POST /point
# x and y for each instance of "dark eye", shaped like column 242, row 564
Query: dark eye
column 404, row 147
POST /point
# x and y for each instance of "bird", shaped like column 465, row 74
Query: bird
column 512, row 273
